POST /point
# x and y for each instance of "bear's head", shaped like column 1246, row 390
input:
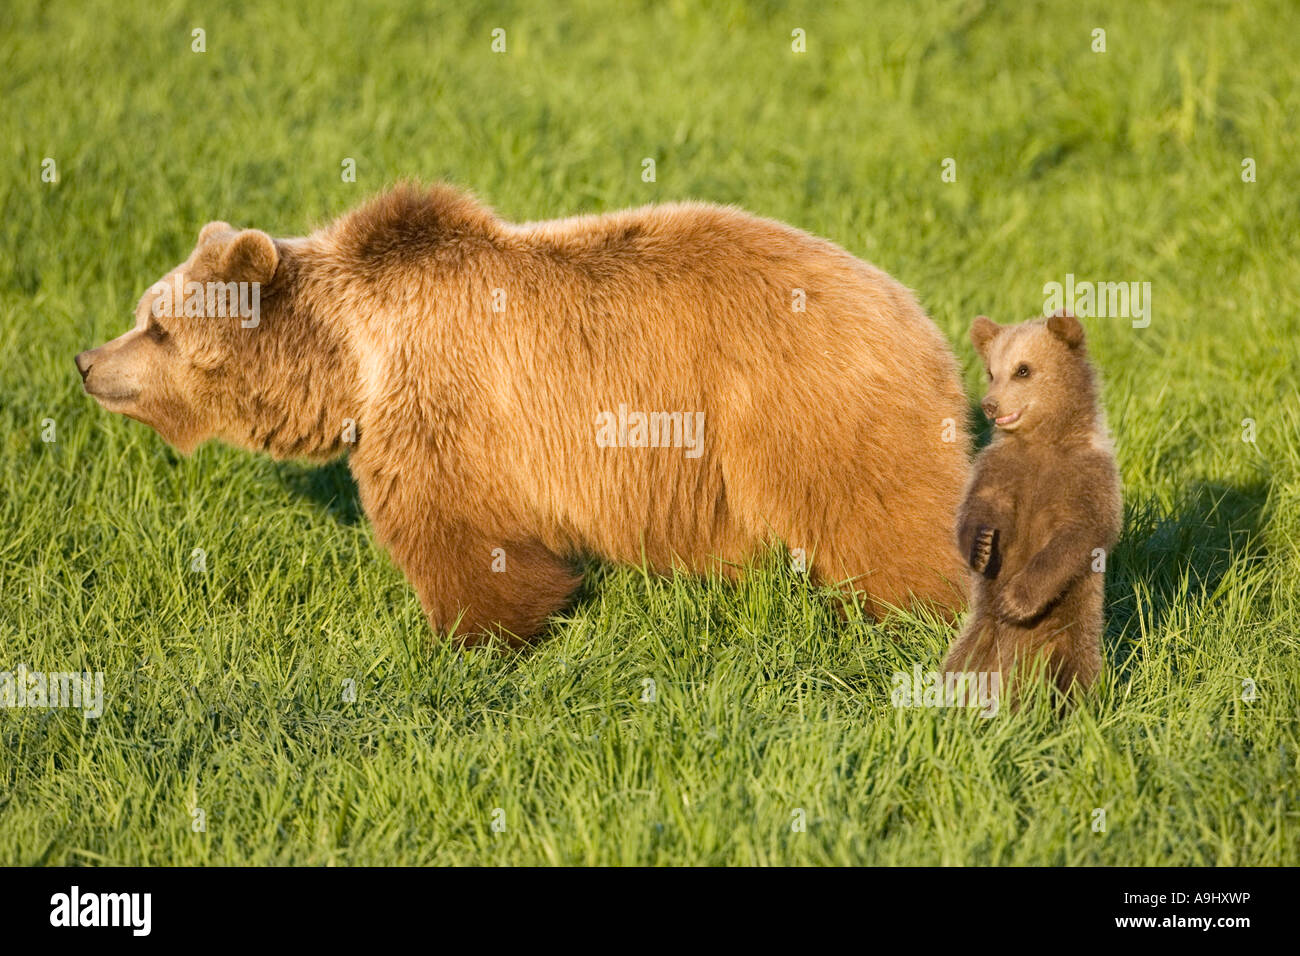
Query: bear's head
column 1040, row 379
column 224, row 347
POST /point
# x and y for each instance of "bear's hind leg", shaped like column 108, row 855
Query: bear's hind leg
column 1072, row 661
column 977, row 650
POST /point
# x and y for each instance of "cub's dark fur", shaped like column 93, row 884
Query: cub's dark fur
column 1042, row 509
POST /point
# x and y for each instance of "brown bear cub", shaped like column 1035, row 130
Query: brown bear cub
column 1042, row 508
column 674, row 386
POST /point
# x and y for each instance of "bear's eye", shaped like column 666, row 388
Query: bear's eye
column 156, row 332
column 1022, row 371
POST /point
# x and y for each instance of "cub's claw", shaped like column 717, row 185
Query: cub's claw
column 981, row 553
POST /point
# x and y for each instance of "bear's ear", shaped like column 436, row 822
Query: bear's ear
column 250, row 257
column 1066, row 328
column 982, row 331
column 212, row 229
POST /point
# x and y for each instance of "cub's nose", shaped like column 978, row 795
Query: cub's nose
column 990, row 406
column 83, row 361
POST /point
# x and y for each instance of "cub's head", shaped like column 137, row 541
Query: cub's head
column 222, row 349
column 1039, row 374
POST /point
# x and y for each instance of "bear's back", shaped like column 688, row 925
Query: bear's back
column 801, row 394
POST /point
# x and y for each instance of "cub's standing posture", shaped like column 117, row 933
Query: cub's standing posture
column 1042, row 508
column 475, row 371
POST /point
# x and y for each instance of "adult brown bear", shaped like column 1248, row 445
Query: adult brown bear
column 678, row 385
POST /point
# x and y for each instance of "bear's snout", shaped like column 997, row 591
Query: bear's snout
column 990, row 406
column 105, row 376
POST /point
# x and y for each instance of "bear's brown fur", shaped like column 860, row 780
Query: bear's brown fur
column 478, row 358
column 1042, row 509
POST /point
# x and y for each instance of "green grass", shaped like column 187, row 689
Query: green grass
column 225, row 689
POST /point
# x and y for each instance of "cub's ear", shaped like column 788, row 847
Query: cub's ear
column 214, row 228
column 1066, row 328
column 983, row 331
column 250, row 257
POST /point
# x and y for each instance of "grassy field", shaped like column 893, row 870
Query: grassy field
column 229, row 734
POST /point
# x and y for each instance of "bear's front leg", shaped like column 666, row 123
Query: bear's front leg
column 1044, row 579
column 480, row 589
column 978, row 534
column 474, row 579
column 476, row 584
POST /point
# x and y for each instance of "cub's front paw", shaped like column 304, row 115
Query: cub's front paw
column 981, row 552
column 1016, row 603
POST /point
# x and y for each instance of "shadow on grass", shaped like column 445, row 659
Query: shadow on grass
column 330, row 487
column 1197, row 541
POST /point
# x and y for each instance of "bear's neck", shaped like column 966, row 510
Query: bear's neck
column 308, row 409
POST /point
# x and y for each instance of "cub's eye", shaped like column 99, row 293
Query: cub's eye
column 989, row 373
column 156, row 332
column 1022, row 371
